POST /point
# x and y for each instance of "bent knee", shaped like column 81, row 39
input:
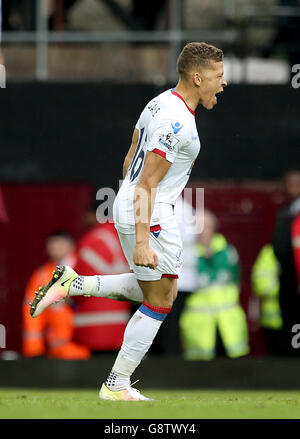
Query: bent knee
column 164, row 300
column 160, row 293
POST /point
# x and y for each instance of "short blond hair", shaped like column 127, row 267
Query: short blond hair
column 196, row 56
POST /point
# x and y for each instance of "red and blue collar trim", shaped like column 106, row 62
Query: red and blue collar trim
column 180, row 97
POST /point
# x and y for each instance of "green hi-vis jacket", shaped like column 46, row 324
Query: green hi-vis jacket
column 265, row 284
column 214, row 305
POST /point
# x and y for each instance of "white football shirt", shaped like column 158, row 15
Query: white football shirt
column 166, row 127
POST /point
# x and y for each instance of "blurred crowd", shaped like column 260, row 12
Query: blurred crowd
column 270, row 33
column 21, row 14
column 207, row 319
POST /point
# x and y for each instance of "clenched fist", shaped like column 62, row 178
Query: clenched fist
column 144, row 256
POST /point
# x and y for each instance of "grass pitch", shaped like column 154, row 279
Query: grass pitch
column 168, row 404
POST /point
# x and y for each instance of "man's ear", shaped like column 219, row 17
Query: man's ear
column 197, row 79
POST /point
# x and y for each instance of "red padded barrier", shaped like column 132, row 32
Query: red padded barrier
column 246, row 212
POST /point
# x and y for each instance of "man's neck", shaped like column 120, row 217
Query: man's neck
column 188, row 94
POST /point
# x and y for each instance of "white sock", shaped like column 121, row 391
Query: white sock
column 116, row 286
column 117, row 382
column 138, row 337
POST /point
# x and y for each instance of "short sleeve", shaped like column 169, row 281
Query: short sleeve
column 166, row 139
column 137, row 125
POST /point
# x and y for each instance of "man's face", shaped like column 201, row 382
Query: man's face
column 59, row 248
column 208, row 230
column 212, row 82
column 292, row 184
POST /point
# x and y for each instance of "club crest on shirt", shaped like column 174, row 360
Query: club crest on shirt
column 168, row 140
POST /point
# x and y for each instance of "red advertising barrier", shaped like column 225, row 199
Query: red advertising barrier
column 246, row 212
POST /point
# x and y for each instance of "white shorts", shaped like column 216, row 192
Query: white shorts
column 167, row 244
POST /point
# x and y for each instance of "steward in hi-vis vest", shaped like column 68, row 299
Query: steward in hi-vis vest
column 265, row 282
column 51, row 334
column 215, row 304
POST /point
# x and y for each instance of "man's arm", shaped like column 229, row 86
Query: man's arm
column 155, row 168
column 130, row 154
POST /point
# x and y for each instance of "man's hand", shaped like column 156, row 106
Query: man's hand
column 144, row 256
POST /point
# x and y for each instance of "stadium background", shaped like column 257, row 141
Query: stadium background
column 73, row 97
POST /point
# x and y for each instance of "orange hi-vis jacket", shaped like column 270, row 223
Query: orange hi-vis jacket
column 52, row 331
